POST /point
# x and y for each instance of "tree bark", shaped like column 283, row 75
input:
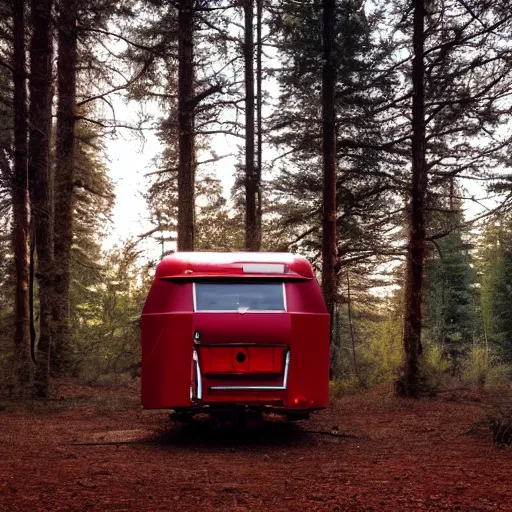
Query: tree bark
column 41, row 53
column 251, row 185
column 410, row 384
column 259, row 119
column 20, row 200
column 329, row 251
column 64, row 178
column 186, row 167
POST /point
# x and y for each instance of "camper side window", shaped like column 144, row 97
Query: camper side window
column 241, row 297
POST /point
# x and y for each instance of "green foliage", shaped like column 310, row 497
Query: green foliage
column 343, row 386
column 449, row 301
column 378, row 346
column 93, row 195
column 341, row 351
column 495, row 265
column 379, row 351
column 93, row 199
column 433, row 367
column 106, row 289
column 477, row 366
column 381, row 356
column 483, row 369
column 218, row 228
column 106, row 333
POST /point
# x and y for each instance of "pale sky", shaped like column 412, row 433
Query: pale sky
column 130, row 159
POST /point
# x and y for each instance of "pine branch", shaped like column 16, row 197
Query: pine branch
column 112, row 126
column 462, row 225
column 225, row 132
column 128, row 84
column 468, row 38
column 213, row 89
column 150, row 49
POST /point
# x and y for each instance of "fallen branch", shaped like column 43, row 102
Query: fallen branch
column 333, row 433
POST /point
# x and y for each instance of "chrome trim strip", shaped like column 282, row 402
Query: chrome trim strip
column 199, row 384
column 286, row 366
column 247, row 388
column 260, row 388
column 250, row 311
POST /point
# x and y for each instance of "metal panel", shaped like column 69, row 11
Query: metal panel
column 260, row 388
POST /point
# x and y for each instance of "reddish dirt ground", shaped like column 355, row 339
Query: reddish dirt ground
column 95, row 449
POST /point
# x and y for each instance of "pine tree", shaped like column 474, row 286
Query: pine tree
column 64, row 176
column 455, row 110
column 252, row 235
column 365, row 180
column 410, row 385
column 213, row 93
column 329, row 248
column 93, row 200
column 40, row 112
column 20, row 210
column 187, row 152
column 449, row 299
column 495, row 265
column 259, row 120
column 83, row 83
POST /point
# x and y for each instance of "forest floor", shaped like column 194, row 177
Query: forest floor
column 95, row 449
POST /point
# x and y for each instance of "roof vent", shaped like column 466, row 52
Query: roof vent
column 263, row 268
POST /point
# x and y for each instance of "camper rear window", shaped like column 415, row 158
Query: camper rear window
column 241, row 297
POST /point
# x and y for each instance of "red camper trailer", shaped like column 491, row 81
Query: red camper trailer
column 235, row 331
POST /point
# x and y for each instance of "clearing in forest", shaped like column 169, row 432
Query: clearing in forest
column 95, row 449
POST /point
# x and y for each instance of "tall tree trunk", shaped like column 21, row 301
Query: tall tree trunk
column 259, row 118
column 41, row 53
column 329, row 250
column 64, row 178
column 186, row 167
column 31, row 287
column 410, row 383
column 251, row 188
column 20, row 200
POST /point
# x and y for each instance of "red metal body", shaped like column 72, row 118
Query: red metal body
column 195, row 359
